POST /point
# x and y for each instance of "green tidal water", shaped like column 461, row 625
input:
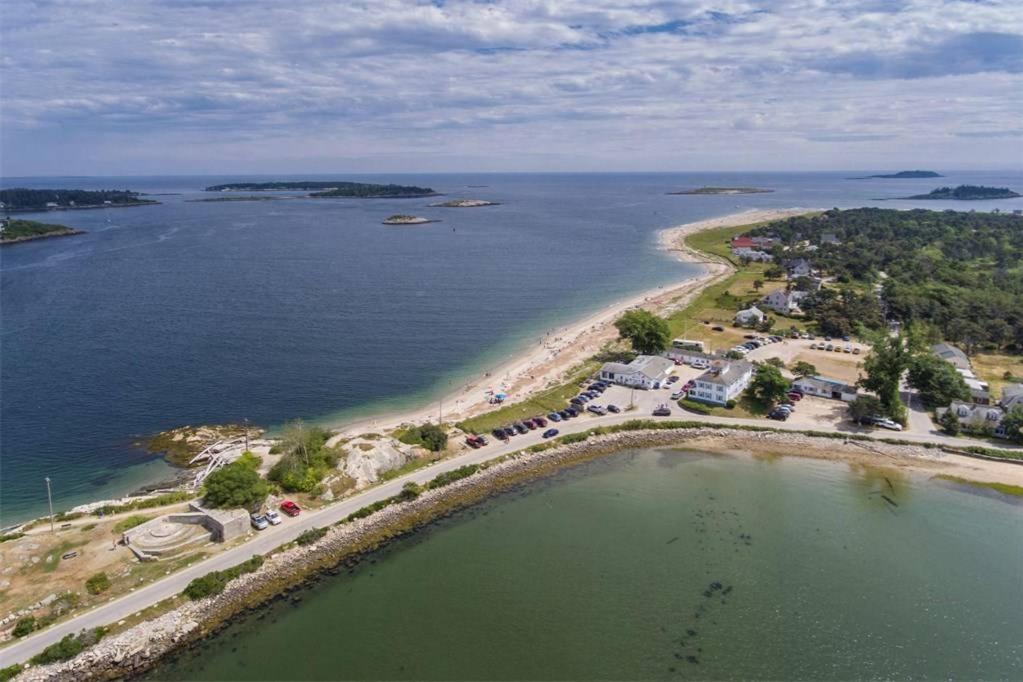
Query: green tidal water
column 665, row 564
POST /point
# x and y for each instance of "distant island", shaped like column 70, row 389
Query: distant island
column 967, row 193
column 22, row 199
column 362, row 190
column 723, row 190
column 903, row 175
column 15, row 230
column 402, row 219
column 465, row 203
column 243, row 198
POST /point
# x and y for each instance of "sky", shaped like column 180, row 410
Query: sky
column 108, row 87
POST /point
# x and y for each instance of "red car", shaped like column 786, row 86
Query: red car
column 795, row 396
column 290, row 508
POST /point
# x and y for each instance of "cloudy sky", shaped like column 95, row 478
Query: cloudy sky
column 206, row 86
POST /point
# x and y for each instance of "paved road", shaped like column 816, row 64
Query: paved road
column 275, row 536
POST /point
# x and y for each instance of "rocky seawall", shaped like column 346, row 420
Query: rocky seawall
column 139, row 648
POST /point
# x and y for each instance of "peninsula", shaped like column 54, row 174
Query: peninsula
column 465, row 203
column 967, row 193
column 402, row 219
column 724, row 190
column 23, row 199
column 15, row 231
column 242, row 198
column 330, row 189
column 901, row 175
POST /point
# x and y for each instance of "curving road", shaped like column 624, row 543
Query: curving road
column 266, row 540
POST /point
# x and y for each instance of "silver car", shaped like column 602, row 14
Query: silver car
column 259, row 522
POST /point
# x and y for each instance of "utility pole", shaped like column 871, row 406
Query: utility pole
column 246, row 420
column 49, row 496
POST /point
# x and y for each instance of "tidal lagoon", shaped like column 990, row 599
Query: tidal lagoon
column 664, row 564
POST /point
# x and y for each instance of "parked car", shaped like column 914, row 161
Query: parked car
column 673, row 378
column 572, row 411
column 678, row 395
column 845, row 337
column 597, row 410
column 482, row 440
column 564, row 414
column 577, row 401
column 847, row 349
column 550, row 433
column 813, row 346
column 290, row 508
column 540, row 422
column 554, row 417
column 499, row 434
column 856, row 351
column 273, row 517
column 471, row 442
column 662, row 411
column 828, row 347
column 520, row 428
column 529, row 424
column 259, row 522
column 509, row 431
column 613, row 408
column 777, row 414
column 718, row 328
column 889, row 424
column 794, row 395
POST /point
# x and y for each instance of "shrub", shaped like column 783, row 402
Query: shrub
column 158, row 501
column 11, row 536
column 409, row 491
column 430, row 436
column 310, row 536
column 371, row 509
column 69, row 647
column 237, row 484
column 693, row 406
column 97, row 583
column 24, row 626
column 730, row 405
column 449, row 477
column 10, row 672
column 569, row 438
column 214, row 583
column 306, row 458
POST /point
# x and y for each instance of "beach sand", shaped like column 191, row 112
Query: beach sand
column 566, row 347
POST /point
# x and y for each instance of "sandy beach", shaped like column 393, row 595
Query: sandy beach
column 565, row 347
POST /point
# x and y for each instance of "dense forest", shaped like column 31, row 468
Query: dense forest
column 332, row 188
column 968, row 193
column 961, row 273
column 24, row 230
column 22, row 199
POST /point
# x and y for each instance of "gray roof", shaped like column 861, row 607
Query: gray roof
column 828, row 383
column 727, row 374
column 1012, row 395
column 950, row 353
column 650, row 366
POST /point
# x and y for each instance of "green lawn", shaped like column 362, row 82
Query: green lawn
column 549, row 400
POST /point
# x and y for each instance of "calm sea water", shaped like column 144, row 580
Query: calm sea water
column 663, row 564
column 188, row 313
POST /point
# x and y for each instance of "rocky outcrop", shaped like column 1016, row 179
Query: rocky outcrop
column 365, row 459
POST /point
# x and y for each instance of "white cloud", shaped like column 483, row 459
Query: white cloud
column 593, row 83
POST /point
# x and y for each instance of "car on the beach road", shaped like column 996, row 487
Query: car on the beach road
column 259, row 521
column 290, row 508
column 780, row 415
column 572, row 411
column 577, row 401
column 471, row 442
column 550, row 433
column 613, row 408
column 540, row 422
column 273, row 517
column 554, row 417
column 529, row 424
column 888, row 424
column 662, row 411
column 520, row 428
column 499, row 434
column 597, row 410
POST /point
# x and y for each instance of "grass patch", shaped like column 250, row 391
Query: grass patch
column 150, row 503
column 549, row 400
column 131, row 522
column 1004, row 488
column 991, row 367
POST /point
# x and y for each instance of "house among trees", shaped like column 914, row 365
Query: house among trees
column 977, row 419
column 722, row 383
column 750, row 316
column 784, row 302
column 800, row 267
column 752, row 254
column 646, row 371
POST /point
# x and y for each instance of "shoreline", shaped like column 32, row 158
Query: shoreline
column 528, row 371
column 142, row 646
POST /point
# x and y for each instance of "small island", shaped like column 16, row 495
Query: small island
column 402, row 219
column 331, row 189
column 903, row 175
column 465, row 203
column 13, row 231
column 724, row 190
column 23, row 199
column 967, row 193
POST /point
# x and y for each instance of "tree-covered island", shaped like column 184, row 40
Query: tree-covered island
column 968, row 193
column 403, row 219
column 902, row 175
column 13, row 230
column 330, row 189
column 23, row 199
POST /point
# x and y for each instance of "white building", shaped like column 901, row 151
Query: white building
column 751, row 315
column 752, row 254
column 688, row 356
column 720, row 384
column 785, row 302
column 646, row 371
column 826, row 388
column 979, row 417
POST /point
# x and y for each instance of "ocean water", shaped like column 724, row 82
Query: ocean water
column 663, row 564
column 189, row 313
